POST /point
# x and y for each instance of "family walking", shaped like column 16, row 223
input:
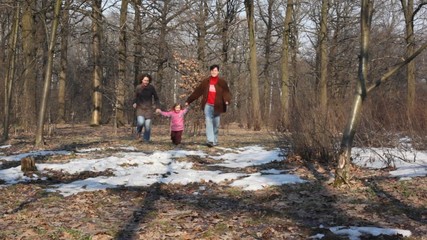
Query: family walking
column 215, row 95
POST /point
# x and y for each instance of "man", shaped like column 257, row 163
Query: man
column 215, row 98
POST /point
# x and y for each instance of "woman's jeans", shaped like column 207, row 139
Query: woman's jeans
column 212, row 124
column 142, row 122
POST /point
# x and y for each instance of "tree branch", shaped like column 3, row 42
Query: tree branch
column 397, row 67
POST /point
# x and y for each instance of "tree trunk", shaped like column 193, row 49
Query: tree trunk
column 256, row 111
column 10, row 73
column 162, row 56
column 120, row 83
column 64, row 62
column 201, row 34
column 285, row 66
column 231, row 7
column 343, row 168
column 323, row 51
column 409, row 14
column 229, row 16
column 137, row 44
column 28, row 165
column 267, row 55
column 48, row 74
column 28, row 111
column 97, row 69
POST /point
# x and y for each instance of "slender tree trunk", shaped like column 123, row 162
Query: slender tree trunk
column 343, row 168
column 230, row 15
column 409, row 14
column 97, row 69
column 231, row 10
column 285, row 66
column 120, row 83
column 10, row 73
column 410, row 70
column 48, row 74
column 294, row 52
column 64, row 62
column 42, row 35
column 256, row 111
column 267, row 55
column 163, row 53
column 137, row 44
column 201, row 34
column 28, row 111
column 408, row 9
column 323, row 51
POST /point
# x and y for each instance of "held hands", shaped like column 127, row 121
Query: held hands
column 158, row 111
column 134, row 105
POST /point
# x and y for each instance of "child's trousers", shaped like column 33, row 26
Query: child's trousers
column 176, row 137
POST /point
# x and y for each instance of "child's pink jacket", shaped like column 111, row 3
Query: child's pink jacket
column 177, row 119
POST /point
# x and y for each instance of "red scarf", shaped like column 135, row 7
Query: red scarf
column 212, row 91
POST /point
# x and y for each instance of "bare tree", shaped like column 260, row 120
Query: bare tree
column 409, row 14
column 285, row 66
column 202, row 29
column 256, row 111
column 165, row 18
column 343, row 168
column 120, row 83
column 228, row 17
column 137, row 26
column 323, row 52
column 28, row 116
column 267, row 19
column 10, row 72
column 97, row 69
column 48, row 74
column 343, row 174
column 65, row 26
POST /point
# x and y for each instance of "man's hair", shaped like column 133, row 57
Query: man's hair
column 214, row 66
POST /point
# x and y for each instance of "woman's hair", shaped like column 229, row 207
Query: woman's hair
column 146, row 75
column 214, row 66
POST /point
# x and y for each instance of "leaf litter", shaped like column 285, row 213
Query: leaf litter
column 209, row 210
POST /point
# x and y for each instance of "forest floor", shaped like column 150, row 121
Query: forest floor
column 172, row 211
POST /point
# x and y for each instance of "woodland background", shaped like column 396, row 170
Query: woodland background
column 299, row 72
column 292, row 65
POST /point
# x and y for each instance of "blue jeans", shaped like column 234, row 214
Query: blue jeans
column 142, row 122
column 212, row 124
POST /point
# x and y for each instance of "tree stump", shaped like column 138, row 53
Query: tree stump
column 28, row 164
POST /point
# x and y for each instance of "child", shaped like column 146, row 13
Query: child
column 176, row 114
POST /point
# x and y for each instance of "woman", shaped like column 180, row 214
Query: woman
column 145, row 94
column 215, row 98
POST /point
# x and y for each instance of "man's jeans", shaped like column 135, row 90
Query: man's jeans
column 142, row 122
column 212, row 124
